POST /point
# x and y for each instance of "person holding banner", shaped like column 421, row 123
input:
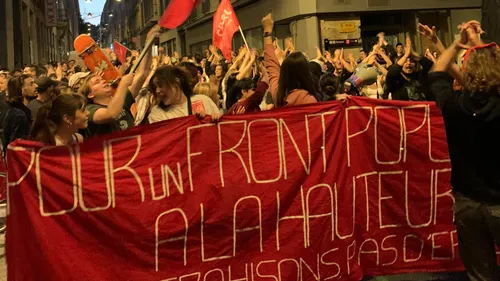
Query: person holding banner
column 171, row 86
column 472, row 122
column 291, row 83
column 251, row 94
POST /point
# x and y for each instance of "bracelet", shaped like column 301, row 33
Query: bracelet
column 267, row 34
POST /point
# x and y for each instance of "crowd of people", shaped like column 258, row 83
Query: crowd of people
column 62, row 104
column 38, row 105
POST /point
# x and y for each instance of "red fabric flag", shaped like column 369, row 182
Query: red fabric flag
column 120, row 51
column 177, row 13
column 225, row 25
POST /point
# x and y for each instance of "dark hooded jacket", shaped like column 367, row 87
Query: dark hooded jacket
column 472, row 123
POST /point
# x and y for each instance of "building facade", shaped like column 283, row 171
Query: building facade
column 128, row 22
column 330, row 24
column 36, row 31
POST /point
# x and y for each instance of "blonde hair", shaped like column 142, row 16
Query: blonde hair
column 206, row 89
column 482, row 71
column 86, row 87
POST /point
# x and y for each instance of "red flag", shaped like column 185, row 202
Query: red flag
column 225, row 25
column 120, row 51
column 177, row 13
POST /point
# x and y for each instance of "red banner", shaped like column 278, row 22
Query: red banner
column 327, row 191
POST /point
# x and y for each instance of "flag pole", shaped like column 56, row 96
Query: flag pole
column 244, row 39
column 147, row 48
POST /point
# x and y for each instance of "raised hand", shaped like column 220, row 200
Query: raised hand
column 328, row 56
column 350, row 56
column 268, row 23
column 336, row 55
column 429, row 33
column 264, row 76
column 408, row 48
column 473, row 31
column 318, row 53
column 289, row 44
column 127, row 80
column 122, row 69
column 166, row 60
column 155, row 32
column 430, row 56
column 463, row 40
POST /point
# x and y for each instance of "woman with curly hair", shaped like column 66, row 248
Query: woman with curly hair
column 472, row 122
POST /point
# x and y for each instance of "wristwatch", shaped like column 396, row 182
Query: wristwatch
column 267, row 34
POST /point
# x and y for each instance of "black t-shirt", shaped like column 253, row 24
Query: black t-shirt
column 412, row 89
column 124, row 121
column 16, row 124
column 34, row 106
column 473, row 131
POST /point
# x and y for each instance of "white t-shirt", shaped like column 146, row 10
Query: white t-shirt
column 200, row 103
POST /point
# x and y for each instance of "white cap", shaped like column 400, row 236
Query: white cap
column 75, row 78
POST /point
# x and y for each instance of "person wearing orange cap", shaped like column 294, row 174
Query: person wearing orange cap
column 472, row 122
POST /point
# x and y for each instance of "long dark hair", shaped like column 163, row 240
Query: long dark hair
column 232, row 90
column 330, row 85
column 191, row 68
column 51, row 116
column 294, row 74
column 15, row 89
column 172, row 76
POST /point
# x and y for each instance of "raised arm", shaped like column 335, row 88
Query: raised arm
column 247, row 65
column 448, row 56
column 346, row 64
column 143, row 69
column 431, row 34
column 407, row 53
column 108, row 114
column 386, row 58
column 270, row 60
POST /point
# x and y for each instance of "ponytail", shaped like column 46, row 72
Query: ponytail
column 51, row 116
column 43, row 128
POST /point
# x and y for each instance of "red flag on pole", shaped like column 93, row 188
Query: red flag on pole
column 225, row 25
column 177, row 13
column 120, row 51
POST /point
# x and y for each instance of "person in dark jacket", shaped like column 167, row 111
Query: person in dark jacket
column 18, row 120
column 404, row 80
column 472, row 122
column 3, row 104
